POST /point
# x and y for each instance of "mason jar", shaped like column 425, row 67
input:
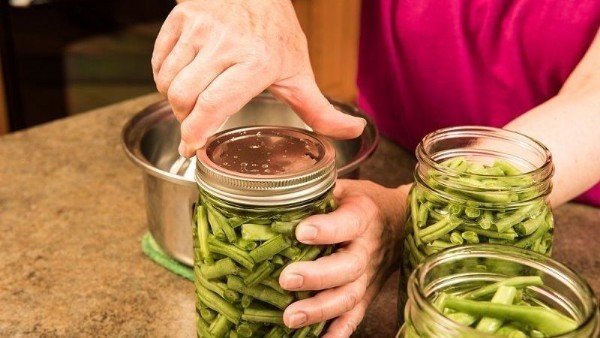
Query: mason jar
column 256, row 184
column 477, row 185
column 464, row 271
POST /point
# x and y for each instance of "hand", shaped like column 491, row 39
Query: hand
column 367, row 224
column 212, row 57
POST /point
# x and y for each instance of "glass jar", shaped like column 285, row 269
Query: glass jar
column 477, row 185
column 256, row 184
column 458, row 271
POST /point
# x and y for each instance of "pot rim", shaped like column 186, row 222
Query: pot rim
column 138, row 125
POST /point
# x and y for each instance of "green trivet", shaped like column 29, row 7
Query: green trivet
column 153, row 250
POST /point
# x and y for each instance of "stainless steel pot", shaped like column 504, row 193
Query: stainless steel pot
column 151, row 137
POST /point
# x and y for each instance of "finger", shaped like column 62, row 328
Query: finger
column 347, row 222
column 192, row 80
column 225, row 96
column 303, row 95
column 342, row 267
column 182, row 54
column 325, row 305
column 165, row 41
column 346, row 324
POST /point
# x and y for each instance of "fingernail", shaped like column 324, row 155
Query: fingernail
column 364, row 121
column 292, row 281
column 306, row 232
column 298, row 319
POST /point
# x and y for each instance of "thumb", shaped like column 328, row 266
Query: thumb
column 303, row 95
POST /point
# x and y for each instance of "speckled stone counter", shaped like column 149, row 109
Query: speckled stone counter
column 71, row 220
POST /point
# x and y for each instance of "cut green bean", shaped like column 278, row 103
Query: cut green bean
column 218, row 304
column 270, row 248
column 231, row 251
column 470, row 237
column 302, row 332
column 257, row 232
column 246, row 301
column 220, row 327
column 220, row 223
column 263, row 316
column 275, row 332
column 260, row 292
column 217, row 287
column 220, row 268
column 202, row 231
column 262, row 271
column 285, row 227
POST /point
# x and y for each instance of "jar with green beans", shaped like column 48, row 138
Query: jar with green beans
column 493, row 291
column 477, row 185
column 256, row 184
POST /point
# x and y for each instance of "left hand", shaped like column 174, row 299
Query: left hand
column 367, row 226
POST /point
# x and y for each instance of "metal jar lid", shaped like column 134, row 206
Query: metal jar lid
column 266, row 165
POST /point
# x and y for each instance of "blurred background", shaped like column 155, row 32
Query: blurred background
column 63, row 57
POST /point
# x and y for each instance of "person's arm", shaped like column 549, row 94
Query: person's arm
column 212, row 57
column 569, row 125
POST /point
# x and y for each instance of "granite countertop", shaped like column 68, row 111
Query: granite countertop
column 72, row 216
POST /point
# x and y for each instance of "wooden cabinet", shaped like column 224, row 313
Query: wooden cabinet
column 332, row 30
column 4, row 127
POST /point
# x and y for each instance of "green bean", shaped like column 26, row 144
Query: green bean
column 518, row 216
column 231, row 251
column 548, row 321
column 276, row 332
column 220, row 326
column 456, row 238
column 261, row 272
column 221, row 268
column 302, row 333
column 317, row 329
column 463, row 318
column 259, row 292
column 529, row 226
column 263, row 316
column 245, row 245
column 202, row 231
column 516, row 282
column 270, row 248
column 504, row 295
column 285, row 227
column 257, row 232
column 217, row 303
column 292, row 252
column 439, row 229
column 507, row 235
column 217, row 287
column 247, row 329
column 219, row 222
column 423, row 213
column 202, row 327
column 207, row 314
column 303, row 294
column 470, row 237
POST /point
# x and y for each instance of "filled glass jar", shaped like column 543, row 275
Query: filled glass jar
column 492, row 291
column 477, row 185
column 256, row 184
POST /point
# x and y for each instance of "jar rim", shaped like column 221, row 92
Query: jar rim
column 423, row 153
column 417, row 278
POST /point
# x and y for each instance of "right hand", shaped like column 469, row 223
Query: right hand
column 212, row 57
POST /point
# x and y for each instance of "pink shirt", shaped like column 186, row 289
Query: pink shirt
column 429, row 64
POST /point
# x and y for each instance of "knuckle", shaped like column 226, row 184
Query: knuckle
column 357, row 263
column 207, row 102
column 350, row 301
column 350, row 326
column 179, row 98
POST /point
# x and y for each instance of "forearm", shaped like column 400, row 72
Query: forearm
column 568, row 124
